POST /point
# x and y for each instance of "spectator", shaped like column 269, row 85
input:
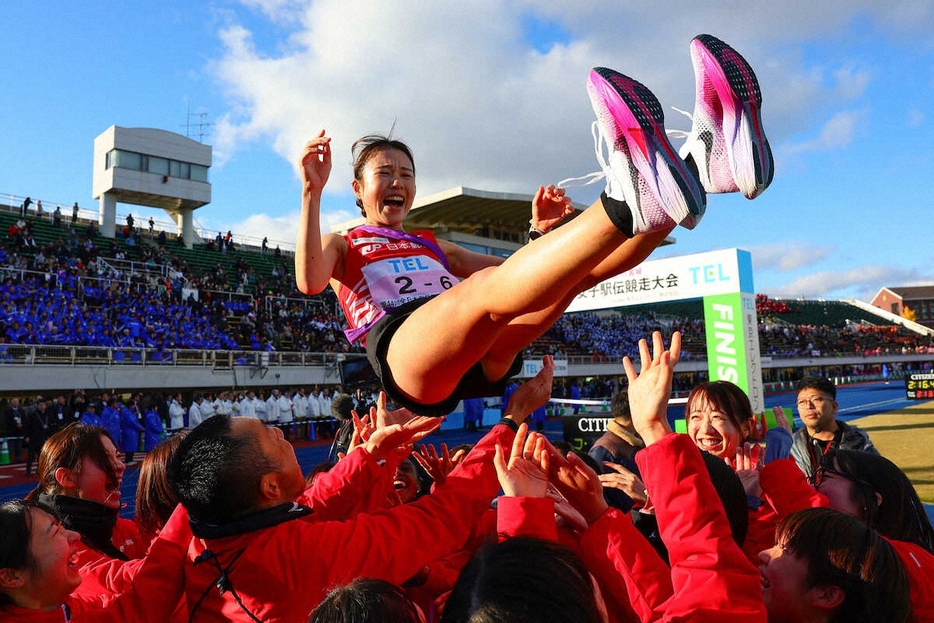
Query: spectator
column 176, row 413
column 130, row 429
column 473, row 413
column 248, row 405
column 63, row 414
column 207, row 407
column 618, row 447
column 14, row 418
column 154, row 429
column 285, row 411
column 36, row 430
column 822, row 432
column 111, row 418
column 90, row 417
column 195, row 416
column 272, row 407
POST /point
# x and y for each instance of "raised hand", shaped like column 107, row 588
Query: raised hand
column 748, row 466
column 549, row 207
column 525, row 472
column 438, row 466
column 533, row 393
column 385, row 417
column 650, row 389
column 386, row 440
column 781, row 419
column 625, row 481
column 315, row 162
column 581, row 486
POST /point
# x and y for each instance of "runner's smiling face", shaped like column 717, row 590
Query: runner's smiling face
column 386, row 188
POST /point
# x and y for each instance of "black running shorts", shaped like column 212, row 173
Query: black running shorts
column 474, row 383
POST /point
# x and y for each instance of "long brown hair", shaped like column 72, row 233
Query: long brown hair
column 65, row 449
column 155, row 499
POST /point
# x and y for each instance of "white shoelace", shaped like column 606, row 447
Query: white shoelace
column 600, row 146
column 591, row 178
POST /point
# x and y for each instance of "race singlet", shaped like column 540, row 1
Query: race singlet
column 399, row 280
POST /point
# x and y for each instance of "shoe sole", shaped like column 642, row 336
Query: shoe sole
column 737, row 88
column 641, row 136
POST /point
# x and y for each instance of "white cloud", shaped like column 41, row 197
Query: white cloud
column 482, row 108
column 281, row 230
column 787, row 257
column 859, row 282
column 835, row 134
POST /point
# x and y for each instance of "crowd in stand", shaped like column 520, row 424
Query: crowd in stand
column 609, row 336
column 728, row 522
column 60, row 294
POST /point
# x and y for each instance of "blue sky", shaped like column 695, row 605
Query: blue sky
column 491, row 95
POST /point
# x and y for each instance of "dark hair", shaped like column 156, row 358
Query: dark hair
column 820, row 383
column 840, row 550
column 366, row 147
column 725, row 397
column 65, row 449
column 522, row 580
column 216, row 474
column 899, row 515
column 619, row 406
column 15, row 529
column 155, row 499
column 366, row 600
column 732, row 494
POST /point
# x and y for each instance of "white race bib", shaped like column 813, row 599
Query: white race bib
column 395, row 281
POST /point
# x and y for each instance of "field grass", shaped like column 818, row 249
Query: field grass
column 906, row 437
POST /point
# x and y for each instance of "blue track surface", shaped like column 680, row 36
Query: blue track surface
column 855, row 402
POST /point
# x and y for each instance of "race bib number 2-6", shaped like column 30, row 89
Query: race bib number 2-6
column 395, row 281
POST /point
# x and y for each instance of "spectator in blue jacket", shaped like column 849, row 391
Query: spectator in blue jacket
column 129, row 421
column 90, row 417
column 110, row 418
column 154, row 427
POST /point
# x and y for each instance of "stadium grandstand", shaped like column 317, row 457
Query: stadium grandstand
column 141, row 311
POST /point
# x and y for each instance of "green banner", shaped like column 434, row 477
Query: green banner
column 726, row 345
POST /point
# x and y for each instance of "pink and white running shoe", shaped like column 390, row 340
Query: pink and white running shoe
column 644, row 170
column 727, row 140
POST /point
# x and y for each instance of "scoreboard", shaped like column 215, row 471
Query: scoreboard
column 920, row 387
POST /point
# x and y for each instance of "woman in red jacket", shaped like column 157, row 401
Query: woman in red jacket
column 39, row 574
column 80, row 474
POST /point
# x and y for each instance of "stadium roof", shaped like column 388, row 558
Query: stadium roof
column 470, row 211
